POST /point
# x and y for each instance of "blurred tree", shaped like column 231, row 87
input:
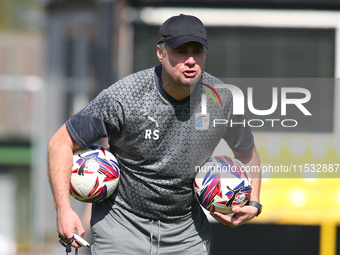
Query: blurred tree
column 24, row 15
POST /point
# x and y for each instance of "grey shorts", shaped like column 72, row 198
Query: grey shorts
column 117, row 231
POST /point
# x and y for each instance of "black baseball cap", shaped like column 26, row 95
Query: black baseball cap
column 181, row 29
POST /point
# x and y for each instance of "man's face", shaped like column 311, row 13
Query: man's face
column 184, row 65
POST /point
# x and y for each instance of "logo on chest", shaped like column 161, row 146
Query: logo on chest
column 152, row 134
column 202, row 118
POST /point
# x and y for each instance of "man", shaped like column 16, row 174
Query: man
column 149, row 119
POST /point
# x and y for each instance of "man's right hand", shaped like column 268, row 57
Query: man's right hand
column 67, row 224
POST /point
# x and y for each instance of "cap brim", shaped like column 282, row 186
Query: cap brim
column 180, row 40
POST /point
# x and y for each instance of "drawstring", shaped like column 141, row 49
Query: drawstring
column 151, row 236
column 158, row 236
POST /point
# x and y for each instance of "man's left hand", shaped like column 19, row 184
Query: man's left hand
column 241, row 216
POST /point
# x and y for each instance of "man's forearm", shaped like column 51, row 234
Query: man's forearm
column 60, row 157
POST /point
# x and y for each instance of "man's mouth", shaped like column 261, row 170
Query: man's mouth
column 190, row 73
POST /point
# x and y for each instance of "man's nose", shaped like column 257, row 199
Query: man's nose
column 190, row 60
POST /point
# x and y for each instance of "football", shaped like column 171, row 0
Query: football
column 222, row 183
column 95, row 174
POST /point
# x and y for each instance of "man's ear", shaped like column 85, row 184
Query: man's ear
column 159, row 53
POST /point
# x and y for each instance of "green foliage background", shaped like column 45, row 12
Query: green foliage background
column 24, row 15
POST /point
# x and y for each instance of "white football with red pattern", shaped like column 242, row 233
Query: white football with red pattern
column 222, row 183
column 95, row 174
